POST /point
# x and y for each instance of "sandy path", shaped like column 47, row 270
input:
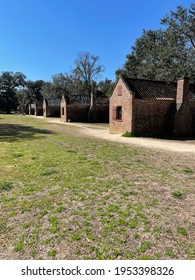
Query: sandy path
column 101, row 131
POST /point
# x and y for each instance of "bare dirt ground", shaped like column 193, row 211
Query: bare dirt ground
column 101, row 131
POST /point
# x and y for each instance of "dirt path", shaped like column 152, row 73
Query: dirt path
column 101, row 131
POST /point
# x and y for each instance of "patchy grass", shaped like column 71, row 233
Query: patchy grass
column 66, row 196
column 182, row 231
column 177, row 194
column 5, row 186
column 127, row 134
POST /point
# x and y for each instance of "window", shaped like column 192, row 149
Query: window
column 119, row 90
column 117, row 113
column 62, row 111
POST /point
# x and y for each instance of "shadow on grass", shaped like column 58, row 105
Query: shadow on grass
column 14, row 132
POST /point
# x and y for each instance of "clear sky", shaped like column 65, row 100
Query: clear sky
column 41, row 38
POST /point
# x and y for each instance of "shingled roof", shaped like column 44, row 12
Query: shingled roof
column 52, row 101
column 149, row 89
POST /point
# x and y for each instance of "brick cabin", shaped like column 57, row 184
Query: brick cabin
column 78, row 109
column 152, row 108
column 36, row 108
column 31, row 109
column 51, row 107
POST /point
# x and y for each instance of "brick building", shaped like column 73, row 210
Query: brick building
column 36, row 108
column 78, row 109
column 152, row 108
column 51, row 107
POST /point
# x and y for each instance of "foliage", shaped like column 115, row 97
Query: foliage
column 49, row 90
column 67, row 85
column 165, row 54
column 182, row 22
column 35, row 90
column 106, row 87
column 9, row 82
column 23, row 100
column 17, row 93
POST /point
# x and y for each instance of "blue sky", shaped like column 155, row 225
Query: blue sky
column 41, row 38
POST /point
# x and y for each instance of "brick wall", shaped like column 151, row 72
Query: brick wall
column 77, row 112
column 99, row 114
column 120, row 97
column 63, row 110
column 38, row 109
column 183, row 121
column 182, row 91
column 192, row 108
column 153, row 117
column 51, row 111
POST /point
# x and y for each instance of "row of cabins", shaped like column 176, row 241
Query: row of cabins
column 76, row 109
column 140, row 107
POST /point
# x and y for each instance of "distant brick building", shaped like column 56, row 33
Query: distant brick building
column 36, row 108
column 152, row 108
column 51, row 107
column 78, row 109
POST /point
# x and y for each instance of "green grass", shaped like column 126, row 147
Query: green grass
column 65, row 195
column 127, row 134
column 177, row 194
column 6, row 186
column 182, row 231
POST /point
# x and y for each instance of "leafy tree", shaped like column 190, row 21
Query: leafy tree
column 67, row 85
column 182, row 23
column 49, row 90
column 9, row 82
column 106, row 87
column 35, row 90
column 23, row 99
column 87, row 69
column 164, row 54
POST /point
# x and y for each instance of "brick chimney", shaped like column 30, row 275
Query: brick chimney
column 182, row 91
column 183, row 116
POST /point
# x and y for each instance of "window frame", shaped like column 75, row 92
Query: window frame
column 117, row 113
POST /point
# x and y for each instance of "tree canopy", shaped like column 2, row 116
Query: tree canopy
column 16, row 92
column 165, row 54
column 9, row 82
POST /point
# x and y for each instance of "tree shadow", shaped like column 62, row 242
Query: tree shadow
column 14, row 132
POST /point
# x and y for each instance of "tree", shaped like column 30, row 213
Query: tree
column 35, row 90
column 87, row 69
column 67, row 85
column 23, row 99
column 9, row 82
column 164, row 54
column 49, row 90
column 106, row 87
column 182, row 23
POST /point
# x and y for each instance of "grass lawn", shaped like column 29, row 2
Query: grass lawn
column 65, row 196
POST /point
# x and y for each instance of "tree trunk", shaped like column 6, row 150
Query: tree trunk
column 92, row 100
